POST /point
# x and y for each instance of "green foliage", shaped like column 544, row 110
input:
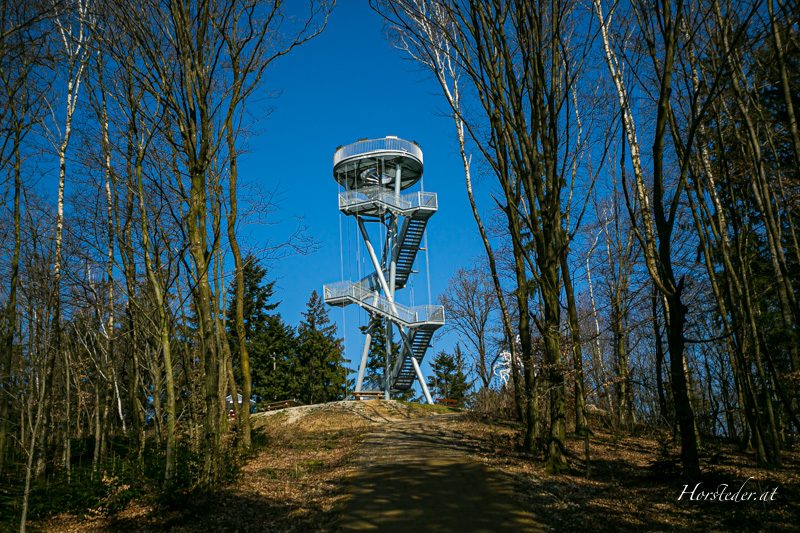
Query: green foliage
column 286, row 364
column 118, row 480
column 449, row 380
column 320, row 374
column 376, row 360
column 257, row 295
column 271, row 343
column 411, row 395
column 273, row 360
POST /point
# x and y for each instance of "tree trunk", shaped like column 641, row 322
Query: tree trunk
column 11, row 307
column 624, row 395
column 154, row 276
column 665, row 413
column 30, row 453
column 549, row 290
column 577, row 349
column 684, row 414
column 125, row 237
column 227, row 381
column 524, row 328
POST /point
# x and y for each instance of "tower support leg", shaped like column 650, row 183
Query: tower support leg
column 376, row 264
column 421, row 379
column 363, row 365
column 387, row 382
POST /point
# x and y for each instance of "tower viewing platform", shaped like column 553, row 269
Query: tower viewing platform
column 375, row 162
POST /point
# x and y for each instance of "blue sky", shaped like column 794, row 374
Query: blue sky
column 347, row 84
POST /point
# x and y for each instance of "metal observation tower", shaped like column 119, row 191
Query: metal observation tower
column 374, row 174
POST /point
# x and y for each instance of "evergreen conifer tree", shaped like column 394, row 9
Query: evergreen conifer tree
column 449, row 380
column 274, row 376
column 319, row 370
column 271, row 343
column 376, row 360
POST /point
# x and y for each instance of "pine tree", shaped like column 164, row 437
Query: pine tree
column 320, row 374
column 271, row 343
column 257, row 295
column 273, row 360
column 409, row 395
column 449, row 380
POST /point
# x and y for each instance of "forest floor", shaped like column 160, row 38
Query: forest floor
column 635, row 483
column 329, row 468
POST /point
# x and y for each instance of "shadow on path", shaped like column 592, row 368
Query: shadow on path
column 415, row 476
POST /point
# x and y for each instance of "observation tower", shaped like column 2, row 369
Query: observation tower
column 375, row 173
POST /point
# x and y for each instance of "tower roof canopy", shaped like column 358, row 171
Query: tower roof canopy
column 370, row 162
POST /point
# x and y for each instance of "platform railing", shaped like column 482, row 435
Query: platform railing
column 403, row 202
column 388, row 144
column 360, row 294
column 368, row 283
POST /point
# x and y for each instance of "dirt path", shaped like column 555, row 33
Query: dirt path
column 415, row 475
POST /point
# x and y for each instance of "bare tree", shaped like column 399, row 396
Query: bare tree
column 660, row 26
column 182, row 62
column 252, row 44
column 428, row 44
column 73, row 23
column 470, row 302
column 522, row 137
column 21, row 52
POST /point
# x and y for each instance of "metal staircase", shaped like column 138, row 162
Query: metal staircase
column 420, row 340
column 410, row 239
column 421, row 321
column 345, row 293
column 416, row 207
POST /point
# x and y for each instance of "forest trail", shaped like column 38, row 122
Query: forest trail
column 416, row 475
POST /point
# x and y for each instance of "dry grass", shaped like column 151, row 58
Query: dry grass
column 635, row 483
column 296, row 481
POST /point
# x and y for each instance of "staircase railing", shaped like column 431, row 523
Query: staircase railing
column 403, row 202
column 360, row 294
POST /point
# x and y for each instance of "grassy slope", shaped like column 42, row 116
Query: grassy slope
column 296, row 480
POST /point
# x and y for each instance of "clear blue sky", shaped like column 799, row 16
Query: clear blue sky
column 350, row 83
